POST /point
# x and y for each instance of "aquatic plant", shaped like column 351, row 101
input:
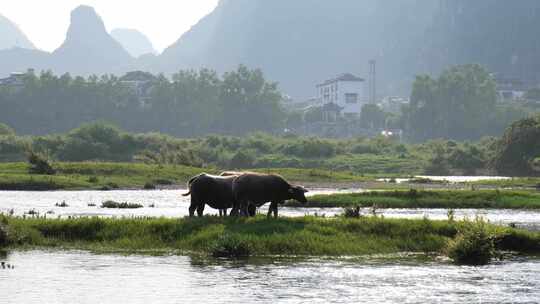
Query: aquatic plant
column 63, row 204
column 116, row 205
column 351, row 212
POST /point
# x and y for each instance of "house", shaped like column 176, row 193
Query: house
column 510, row 89
column 141, row 85
column 15, row 80
column 345, row 91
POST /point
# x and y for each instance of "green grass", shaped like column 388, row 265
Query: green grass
column 97, row 175
column 456, row 199
column 516, row 182
column 93, row 175
column 257, row 236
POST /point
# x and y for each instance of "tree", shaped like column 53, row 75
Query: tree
column 518, row 148
column 458, row 105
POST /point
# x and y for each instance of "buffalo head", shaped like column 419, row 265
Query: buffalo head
column 298, row 193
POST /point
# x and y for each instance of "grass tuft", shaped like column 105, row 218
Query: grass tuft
column 230, row 246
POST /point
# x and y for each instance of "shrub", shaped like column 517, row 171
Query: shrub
column 149, row 186
column 116, row 205
column 93, row 179
column 230, row 246
column 39, row 165
column 473, row 246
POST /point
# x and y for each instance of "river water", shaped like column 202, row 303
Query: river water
column 80, row 277
column 170, row 203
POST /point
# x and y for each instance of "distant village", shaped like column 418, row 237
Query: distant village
column 336, row 108
column 340, row 101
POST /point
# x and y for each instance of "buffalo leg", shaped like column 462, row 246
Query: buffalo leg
column 272, row 209
column 193, row 207
column 192, row 210
column 252, row 210
column 200, row 210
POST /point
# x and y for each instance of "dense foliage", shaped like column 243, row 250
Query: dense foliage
column 104, row 142
column 191, row 103
column 460, row 105
column 519, row 149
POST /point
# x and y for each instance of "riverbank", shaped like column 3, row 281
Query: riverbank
column 258, row 236
column 107, row 176
column 447, row 199
column 110, row 176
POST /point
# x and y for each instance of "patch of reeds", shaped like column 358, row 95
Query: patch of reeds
column 117, row 205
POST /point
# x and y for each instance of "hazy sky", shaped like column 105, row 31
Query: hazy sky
column 163, row 21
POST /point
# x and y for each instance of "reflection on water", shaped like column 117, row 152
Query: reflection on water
column 170, row 203
column 79, row 277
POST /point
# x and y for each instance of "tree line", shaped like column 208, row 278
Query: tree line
column 458, row 105
column 191, row 103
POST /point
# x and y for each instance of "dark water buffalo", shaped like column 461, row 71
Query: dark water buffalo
column 258, row 189
column 216, row 191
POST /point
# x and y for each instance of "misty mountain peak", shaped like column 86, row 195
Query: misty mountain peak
column 85, row 22
column 11, row 36
column 88, row 47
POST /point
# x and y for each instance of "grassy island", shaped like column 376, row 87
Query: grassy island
column 454, row 199
column 258, row 236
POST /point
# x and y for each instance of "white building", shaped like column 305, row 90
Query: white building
column 510, row 89
column 346, row 91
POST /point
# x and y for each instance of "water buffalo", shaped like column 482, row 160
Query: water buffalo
column 216, row 191
column 258, row 189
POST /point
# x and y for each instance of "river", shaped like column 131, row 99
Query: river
column 81, row 277
column 170, row 203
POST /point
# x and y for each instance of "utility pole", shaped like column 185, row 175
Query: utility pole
column 372, row 81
